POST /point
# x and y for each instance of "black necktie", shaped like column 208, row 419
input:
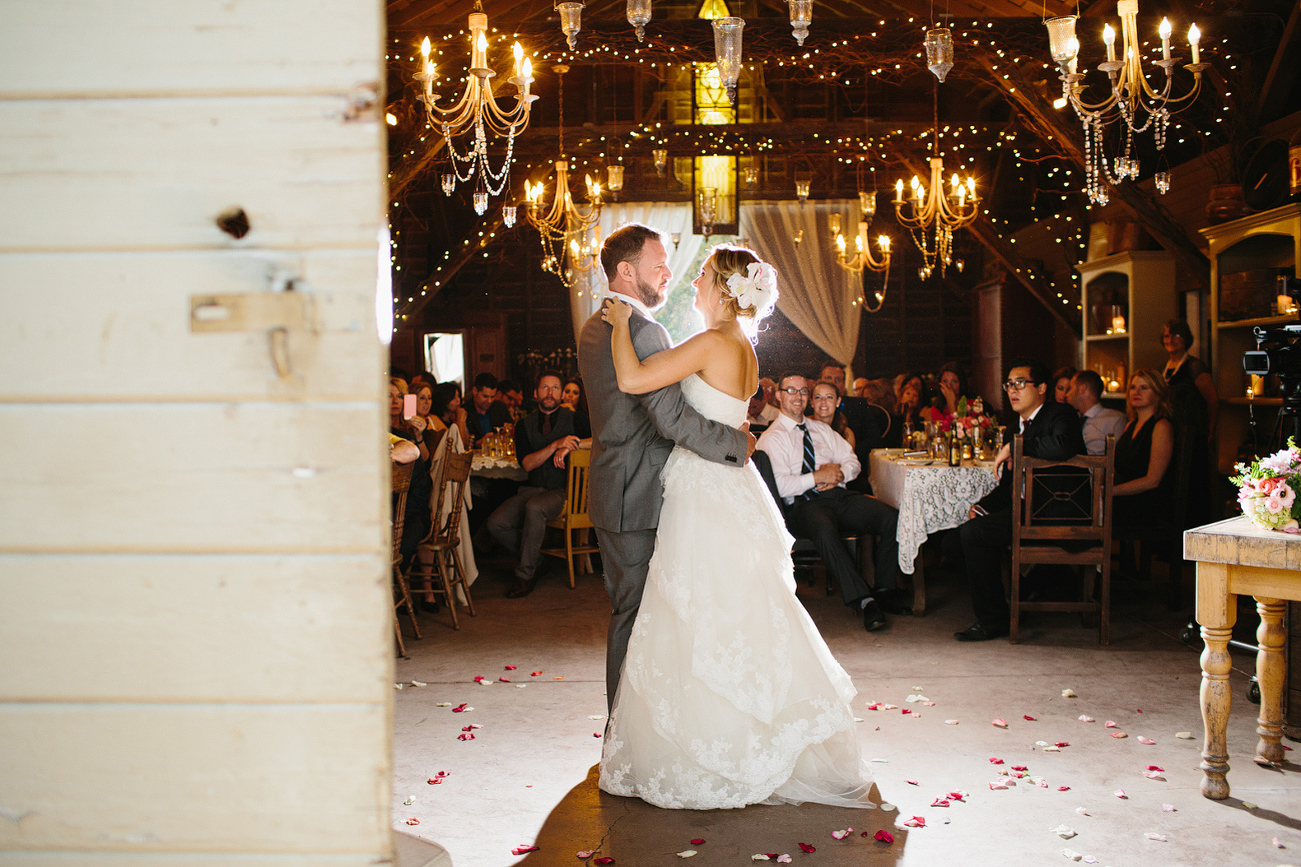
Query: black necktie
column 807, row 464
column 546, row 422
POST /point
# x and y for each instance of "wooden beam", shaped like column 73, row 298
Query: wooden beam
column 1284, row 49
column 1067, row 141
column 443, row 274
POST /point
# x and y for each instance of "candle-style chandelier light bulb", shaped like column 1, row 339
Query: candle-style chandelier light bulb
column 862, row 259
column 476, row 116
column 1133, row 100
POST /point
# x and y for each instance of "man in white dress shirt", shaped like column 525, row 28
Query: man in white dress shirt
column 1085, row 395
column 811, row 464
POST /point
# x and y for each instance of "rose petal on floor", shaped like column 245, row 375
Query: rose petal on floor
column 1068, row 693
column 841, row 834
column 1119, row 735
column 805, row 847
column 950, row 722
column 888, row 807
column 398, row 685
column 1082, row 811
column 1277, row 844
column 1188, row 736
column 1020, row 768
column 1071, row 854
column 916, row 822
column 523, row 849
column 758, row 857
column 1060, row 744
column 1111, row 724
column 511, row 667
column 411, row 799
column 1168, row 808
column 1028, row 718
column 1145, row 741
column 697, row 841
column 1086, row 718
column 940, row 802
column 783, row 859
column 883, row 835
column 1155, row 837
column 418, row 683
column 413, row 821
column 586, row 853
column 1001, row 723
column 1153, row 775
column 603, row 861
column 912, row 782
column 503, row 679
column 1064, row 831
column 1154, row 768
column 535, row 674
column 465, row 736
column 689, row 853
column 995, row 760
column 1120, row 793
column 443, row 704
column 1063, row 788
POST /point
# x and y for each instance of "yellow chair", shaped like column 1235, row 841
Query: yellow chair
column 573, row 519
column 402, row 590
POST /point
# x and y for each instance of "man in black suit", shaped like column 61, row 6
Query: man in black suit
column 1051, row 431
column 868, row 431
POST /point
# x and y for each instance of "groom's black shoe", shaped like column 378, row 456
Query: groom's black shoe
column 980, row 632
column 873, row 616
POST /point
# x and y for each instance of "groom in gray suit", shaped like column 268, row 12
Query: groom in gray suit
column 632, row 435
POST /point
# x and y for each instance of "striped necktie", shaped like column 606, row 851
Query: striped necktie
column 807, row 466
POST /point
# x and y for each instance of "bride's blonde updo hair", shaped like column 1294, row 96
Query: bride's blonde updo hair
column 728, row 260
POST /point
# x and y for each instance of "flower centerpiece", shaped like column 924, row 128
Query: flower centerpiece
column 1267, row 489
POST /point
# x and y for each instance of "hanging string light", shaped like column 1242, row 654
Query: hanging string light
column 477, row 114
column 1132, row 102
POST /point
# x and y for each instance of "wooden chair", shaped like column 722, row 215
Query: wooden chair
column 439, row 556
column 574, row 519
column 1062, row 514
column 1167, row 530
column 401, row 589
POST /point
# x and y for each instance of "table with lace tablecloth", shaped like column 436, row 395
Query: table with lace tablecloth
column 930, row 496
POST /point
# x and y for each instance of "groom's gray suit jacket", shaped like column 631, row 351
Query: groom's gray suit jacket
column 632, row 435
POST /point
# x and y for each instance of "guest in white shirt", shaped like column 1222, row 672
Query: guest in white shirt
column 811, row 464
column 1084, row 395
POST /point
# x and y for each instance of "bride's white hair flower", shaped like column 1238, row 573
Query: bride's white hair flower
column 755, row 289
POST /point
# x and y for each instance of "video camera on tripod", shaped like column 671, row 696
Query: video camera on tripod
column 1278, row 351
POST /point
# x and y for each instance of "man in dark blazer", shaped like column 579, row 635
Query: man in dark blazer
column 632, row 434
column 1051, row 431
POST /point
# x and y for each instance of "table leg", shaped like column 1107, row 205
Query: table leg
column 1269, row 675
column 1216, row 612
column 919, row 586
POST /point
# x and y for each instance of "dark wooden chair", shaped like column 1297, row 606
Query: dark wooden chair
column 1062, row 514
column 438, row 564
column 401, row 589
column 1167, row 531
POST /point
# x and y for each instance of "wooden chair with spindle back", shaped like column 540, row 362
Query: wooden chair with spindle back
column 574, row 517
column 401, row 589
column 439, row 556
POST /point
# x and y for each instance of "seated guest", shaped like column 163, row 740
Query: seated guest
column 418, row 518
column 434, row 427
column 825, row 402
column 756, row 416
column 1143, row 453
column 907, row 414
column 1061, row 384
column 572, row 395
column 1051, row 431
column 860, row 386
column 1084, row 394
column 952, row 388
column 769, row 386
column 509, row 393
column 868, row 430
column 486, row 413
column 543, row 439
column 811, row 464
column 445, row 405
column 402, row 451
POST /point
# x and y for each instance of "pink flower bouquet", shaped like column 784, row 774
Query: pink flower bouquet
column 1267, row 489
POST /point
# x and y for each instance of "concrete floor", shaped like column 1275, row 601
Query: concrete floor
column 529, row 775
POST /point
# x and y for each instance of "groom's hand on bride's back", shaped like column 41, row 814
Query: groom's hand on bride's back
column 750, row 441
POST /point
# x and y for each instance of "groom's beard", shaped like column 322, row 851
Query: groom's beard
column 649, row 295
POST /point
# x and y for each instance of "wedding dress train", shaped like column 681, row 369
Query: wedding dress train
column 729, row 696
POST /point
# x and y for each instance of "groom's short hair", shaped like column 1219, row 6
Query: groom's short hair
column 624, row 245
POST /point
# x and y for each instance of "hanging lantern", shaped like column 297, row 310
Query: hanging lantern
column 1162, row 180
column 480, row 202
column 801, row 18
column 751, row 177
column 571, row 21
column 661, row 160
column 508, row 215
column 727, row 51
column 639, row 15
column 449, row 183
column 802, row 190
column 867, row 204
column 939, row 51
column 614, row 179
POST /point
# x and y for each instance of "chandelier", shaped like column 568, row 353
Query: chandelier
column 727, row 52
column 1133, row 101
column 571, row 238
column 862, row 258
column 477, row 112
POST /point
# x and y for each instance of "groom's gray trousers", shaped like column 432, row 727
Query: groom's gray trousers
column 626, row 558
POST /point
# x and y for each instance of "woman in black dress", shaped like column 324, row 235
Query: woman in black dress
column 1193, row 397
column 1143, row 454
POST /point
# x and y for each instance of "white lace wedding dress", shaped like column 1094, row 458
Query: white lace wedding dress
column 729, row 696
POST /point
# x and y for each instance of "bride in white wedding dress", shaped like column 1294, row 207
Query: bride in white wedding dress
column 729, row 696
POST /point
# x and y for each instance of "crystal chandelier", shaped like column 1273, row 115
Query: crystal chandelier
column 477, row 112
column 571, row 238
column 1132, row 100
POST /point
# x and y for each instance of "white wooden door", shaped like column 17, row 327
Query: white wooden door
column 195, row 639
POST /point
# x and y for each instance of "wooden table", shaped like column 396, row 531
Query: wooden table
column 930, row 496
column 1234, row 558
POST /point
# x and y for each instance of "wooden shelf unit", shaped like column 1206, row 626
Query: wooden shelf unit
column 1142, row 285
column 1255, row 245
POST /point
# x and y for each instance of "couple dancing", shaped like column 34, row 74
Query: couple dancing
column 722, row 691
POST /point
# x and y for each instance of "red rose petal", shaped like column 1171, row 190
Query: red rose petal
column 697, row 841
column 535, row 674
column 993, row 761
column 1026, row 716
column 1062, row 744
column 465, row 737
column 441, row 774
column 510, row 668
column 905, row 710
column 603, row 861
column 1020, row 768
column 503, row 680
column 433, row 781
column 596, row 734
column 883, row 836
column 479, row 678
column 413, row 821
column 1155, row 768
column 1063, row 788
column 912, row 782
column 805, row 847
column 957, row 796
column 939, row 802
column 460, row 708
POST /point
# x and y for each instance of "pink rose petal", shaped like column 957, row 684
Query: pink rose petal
column 883, row 836
column 413, row 821
column 1020, row 768
column 511, row 667
column 1168, row 808
column 523, row 849
column 1111, row 724
column 1063, row 788
column 1086, row 718
column 1155, row 768
column 783, row 859
column 998, row 784
column 958, row 795
column 1001, row 723
column 1145, row 741
column 1120, row 793
column 433, row 781
column 939, row 802
column 912, row 782
column 1152, row 775
column 916, row 822
column 842, row 834
column 1119, row 735
column 503, row 680
column 995, row 761
column 586, row 853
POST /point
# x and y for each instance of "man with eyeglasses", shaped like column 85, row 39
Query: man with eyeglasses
column 811, row 464
column 1051, row 431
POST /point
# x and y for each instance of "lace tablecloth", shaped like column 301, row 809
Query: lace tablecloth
column 929, row 498
column 486, row 467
